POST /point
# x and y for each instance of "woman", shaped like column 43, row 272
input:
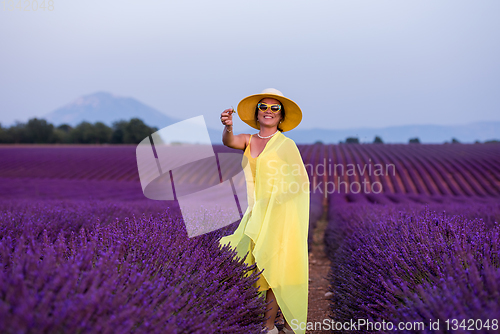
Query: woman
column 275, row 226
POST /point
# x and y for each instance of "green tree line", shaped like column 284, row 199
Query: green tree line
column 39, row 131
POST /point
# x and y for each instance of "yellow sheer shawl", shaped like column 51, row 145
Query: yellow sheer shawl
column 277, row 220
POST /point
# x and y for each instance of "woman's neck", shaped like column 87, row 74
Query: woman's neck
column 264, row 131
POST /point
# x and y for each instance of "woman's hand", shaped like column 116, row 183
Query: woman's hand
column 226, row 117
column 234, row 141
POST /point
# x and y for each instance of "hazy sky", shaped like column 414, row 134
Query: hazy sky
column 347, row 63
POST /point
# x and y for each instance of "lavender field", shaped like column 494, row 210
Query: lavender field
column 83, row 251
column 410, row 262
column 99, row 268
column 426, row 249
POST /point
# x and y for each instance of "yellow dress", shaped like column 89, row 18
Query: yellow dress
column 274, row 228
column 261, row 283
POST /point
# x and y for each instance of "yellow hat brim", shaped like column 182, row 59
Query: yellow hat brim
column 246, row 111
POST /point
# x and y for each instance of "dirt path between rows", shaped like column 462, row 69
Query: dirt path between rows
column 319, row 266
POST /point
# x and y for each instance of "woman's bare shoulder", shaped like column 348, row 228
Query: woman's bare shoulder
column 238, row 142
column 243, row 140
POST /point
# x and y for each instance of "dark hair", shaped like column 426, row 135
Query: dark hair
column 282, row 114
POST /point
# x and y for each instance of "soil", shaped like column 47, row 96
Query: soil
column 319, row 266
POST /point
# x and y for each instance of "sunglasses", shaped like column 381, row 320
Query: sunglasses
column 265, row 107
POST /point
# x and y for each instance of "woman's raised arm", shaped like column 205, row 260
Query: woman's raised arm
column 228, row 138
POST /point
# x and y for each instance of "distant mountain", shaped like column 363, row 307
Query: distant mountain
column 107, row 108
column 467, row 133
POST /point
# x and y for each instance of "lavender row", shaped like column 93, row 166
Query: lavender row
column 65, row 270
column 408, row 263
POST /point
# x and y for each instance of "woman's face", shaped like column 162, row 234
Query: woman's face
column 269, row 118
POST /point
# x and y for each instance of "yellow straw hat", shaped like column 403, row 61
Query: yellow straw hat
column 246, row 109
